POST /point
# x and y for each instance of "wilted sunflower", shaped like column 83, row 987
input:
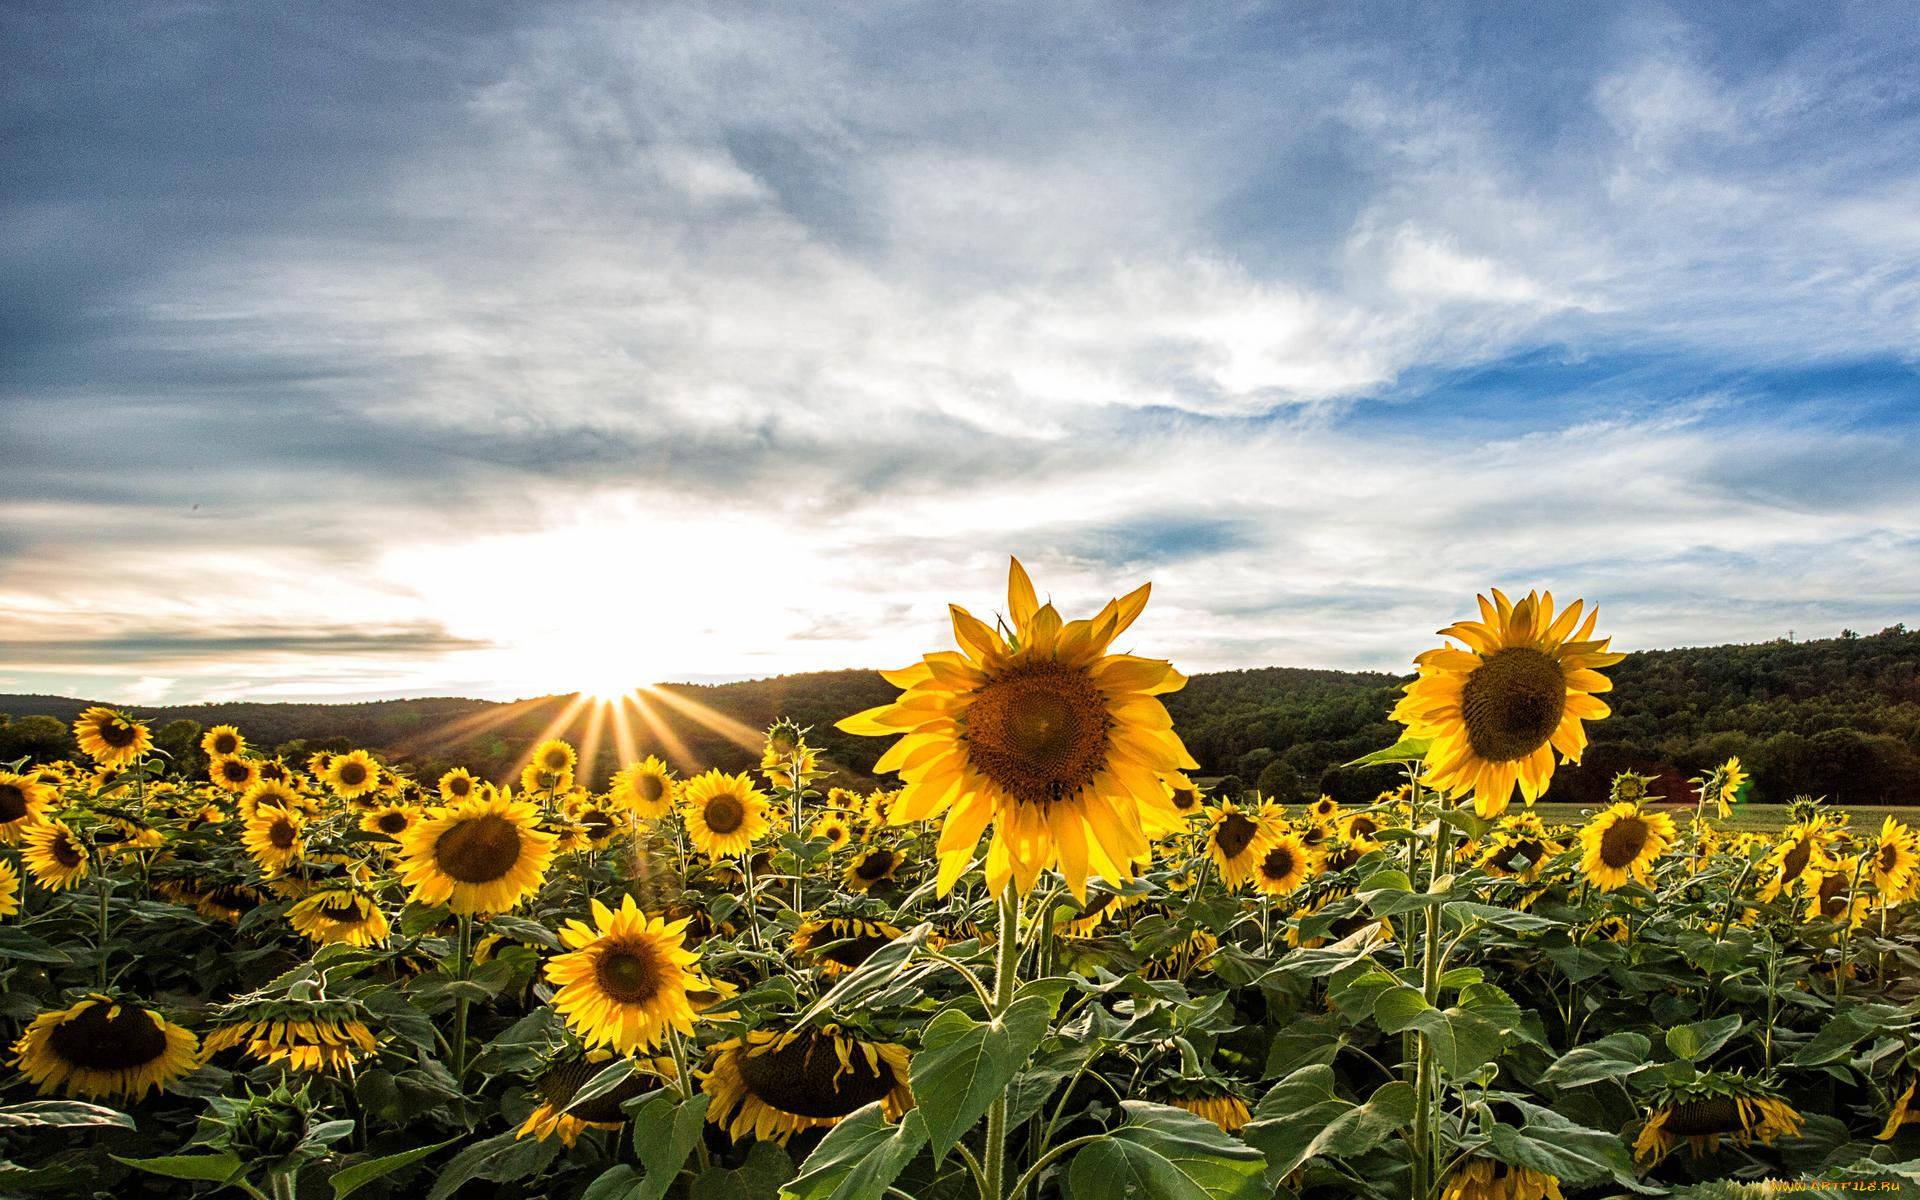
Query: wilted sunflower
column 54, row 855
column 774, row 1085
column 307, row 1035
column 105, row 1046
column 725, row 814
column 1732, row 779
column 9, row 889
column 1714, row 1105
column 1209, row 1098
column 1058, row 745
column 1285, row 866
column 223, row 741
column 481, row 855
column 644, row 789
column 561, row 1080
column 110, row 738
column 1238, row 839
column 391, row 820
column 1905, row 1112
column 1497, row 710
column 457, row 785
column 275, row 838
column 23, row 802
column 339, row 916
column 234, row 775
column 834, row 830
column 624, row 985
column 873, row 866
column 1621, row 843
column 839, row 944
column 1491, row 1179
column 352, row 775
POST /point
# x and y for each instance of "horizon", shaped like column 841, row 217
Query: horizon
column 507, row 349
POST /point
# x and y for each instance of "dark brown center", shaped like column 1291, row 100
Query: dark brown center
column 1234, row 834
column 1278, row 864
column 393, row 822
column 1512, row 702
column 629, row 972
column 13, row 803
column 1702, row 1118
column 226, row 743
column 1621, row 844
column 1040, row 732
column 117, row 733
column 875, row 866
column 64, row 851
column 479, row 849
column 101, row 1043
column 282, row 833
column 725, row 813
column 805, row 1078
column 1796, row 860
column 650, row 788
column 353, row 774
column 236, row 770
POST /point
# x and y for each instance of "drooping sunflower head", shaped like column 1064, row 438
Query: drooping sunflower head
column 54, row 855
column 223, row 741
column 624, row 980
column 1286, row 865
column 1715, row 1104
column 1209, row 1097
column 233, row 774
column 839, row 944
column 1497, row 710
column 481, row 855
column 306, row 1035
column 352, row 775
column 1238, row 838
column 1896, row 862
column 1622, row 843
column 105, row 1046
column 773, row 1085
column 23, row 802
column 1490, row 1179
column 725, row 814
column 339, row 915
column 871, row 868
column 645, row 789
column 1043, row 735
column 561, row 1080
column 112, row 739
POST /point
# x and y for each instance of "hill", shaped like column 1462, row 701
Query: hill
column 1838, row 717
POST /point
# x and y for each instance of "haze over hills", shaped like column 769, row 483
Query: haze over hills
column 1838, row 717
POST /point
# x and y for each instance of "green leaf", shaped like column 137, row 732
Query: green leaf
column 1406, row 750
column 604, row 1080
column 1555, row 1145
column 618, row 1182
column 501, row 1159
column 758, row 1178
column 859, row 1157
column 665, row 1131
column 217, row 1167
column 1365, row 1126
column 1462, row 1041
column 16, row 943
column 1615, row 1056
column 1700, row 1039
column 1165, row 1153
column 879, row 970
column 1293, row 1114
column 1399, row 1009
column 62, row 1114
column 963, row 1064
column 351, row 1179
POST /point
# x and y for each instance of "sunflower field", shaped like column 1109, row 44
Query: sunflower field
column 1045, row 965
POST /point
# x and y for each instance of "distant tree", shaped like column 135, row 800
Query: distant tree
column 181, row 741
column 1280, row 782
column 1231, row 787
column 38, row 738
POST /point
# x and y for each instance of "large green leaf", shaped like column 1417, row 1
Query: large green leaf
column 1615, row 1056
column 964, row 1064
column 1406, row 750
column 1165, row 1153
column 859, row 1157
column 351, row 1179
column 61, row 1113
column 217, row 1167
column 1557, row 1146
column 758, row 1178
column 1700, row 1039
column 665, row 1130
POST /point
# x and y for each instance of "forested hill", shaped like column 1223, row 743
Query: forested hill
column 1838, row 717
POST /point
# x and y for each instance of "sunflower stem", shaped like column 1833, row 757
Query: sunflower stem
column 105, row 888
column 1005, row 981
column 753, row 902
column 463, row 964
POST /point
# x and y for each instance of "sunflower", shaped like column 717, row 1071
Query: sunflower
column 1802, row 847
column 307, row 1035
column 1285, row 866
column 1732, row 779
column 456, row 785
column 725, row 814
column 228, row 902
column 1517, row 854
column 555, row 757
column 1057, row 744
column 774, row 1085
column 1831, row 896
column 1621, row 843
column 1207, row 1098
column 597, row 825
column 1491, row 1179
column 275, row 838
column 834, row 830
column 339, row 916
column 1905, row 1112
column 54, row 855
column 9, row 889
column 105, row 1046
column 872, row 867
column 644, row 789
column 623, row 985
column 1183, row 795
column 481, row 855
column 840, row 944
column 223, row 741
column 1496, row 711
column 1325, row 809
column 1895, row 867
column 23, row 802
column 351, row 775
column 1238, row 839
column 390, row 820
column 234, row 775
column 1361, row 830
column 1714, row 1105
column 283, row 796
column 110, row 738
column 557, row 1085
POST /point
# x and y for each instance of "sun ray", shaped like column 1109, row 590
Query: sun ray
column 462, row 727
column 554, row 729
column 744, row 736
column 664, row 734
column 623, row 743
column 590, row 740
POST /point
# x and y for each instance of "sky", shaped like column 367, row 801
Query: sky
column 365, row 350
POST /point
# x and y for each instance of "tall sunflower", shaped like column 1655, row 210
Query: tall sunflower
column 1732, row 779
column 275, row 838
column 624, row 984
column 1895, row 866
column 1621, row 843
column 234, row 775
column 773, row 1085
column 54, row 855
column 725, row 814
column 223, row 741
column 645, row 789
column 105, row 1046
column 23, row 802
column 1709, row 1107
column 111, row 738
column 1497, row 710
column 352, row 775
column 481, row 855
column 1058, row 745
column 1804, row 846
column 555, row 757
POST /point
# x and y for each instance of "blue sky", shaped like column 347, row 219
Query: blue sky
column 363, row 350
